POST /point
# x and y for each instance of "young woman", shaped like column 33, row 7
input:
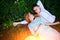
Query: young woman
column 37, row 26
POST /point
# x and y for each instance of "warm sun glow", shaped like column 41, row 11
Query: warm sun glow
column 33, row 38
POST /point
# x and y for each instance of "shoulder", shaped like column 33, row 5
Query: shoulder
column 37, row 18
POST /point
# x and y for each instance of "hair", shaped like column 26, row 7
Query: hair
column 34, row 6
column 26, row 16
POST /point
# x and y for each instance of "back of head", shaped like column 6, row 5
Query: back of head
column 36, row 8
column 26, row 16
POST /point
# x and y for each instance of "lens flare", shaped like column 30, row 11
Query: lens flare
column 35, row 37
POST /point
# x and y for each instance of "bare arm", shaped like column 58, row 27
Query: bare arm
column 37, row 30
column 53, row 23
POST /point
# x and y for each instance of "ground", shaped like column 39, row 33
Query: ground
column 19, row 32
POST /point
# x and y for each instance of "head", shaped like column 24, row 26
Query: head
column 36, row 9
column 29, row 17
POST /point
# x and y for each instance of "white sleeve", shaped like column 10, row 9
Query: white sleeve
column 44, row 10
column 39, row 3
column 23, row 22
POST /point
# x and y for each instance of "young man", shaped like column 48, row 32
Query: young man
column 43, row 13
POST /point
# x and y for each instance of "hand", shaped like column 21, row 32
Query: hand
column 15, row 24
column 58, row 22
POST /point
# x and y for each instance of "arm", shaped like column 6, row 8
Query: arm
column 53, row 23
column 45, row 11
column 40, row 5
column 22, row 22
column 37, row 30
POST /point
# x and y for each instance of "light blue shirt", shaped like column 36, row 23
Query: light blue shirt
column 35, row 24
column 43, row 30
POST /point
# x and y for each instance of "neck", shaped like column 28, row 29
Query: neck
column 32, row 18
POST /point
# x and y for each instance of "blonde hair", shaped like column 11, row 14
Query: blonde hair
column 26, row 16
